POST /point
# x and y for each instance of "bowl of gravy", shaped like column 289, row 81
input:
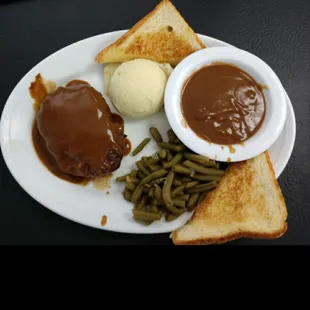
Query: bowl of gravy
column 225, row 103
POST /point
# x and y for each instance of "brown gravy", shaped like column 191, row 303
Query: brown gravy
column 85, row 140
column 223, row 104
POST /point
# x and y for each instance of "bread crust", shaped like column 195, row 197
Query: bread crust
column 99, row 57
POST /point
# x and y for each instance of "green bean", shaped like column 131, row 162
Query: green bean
column 205, row 161
column 169, row 156
column 154, row 209
column 202, row 197
column 138, row 192
column 181, row 170
column 191, row 184
column 145, row 216
column 121, row 179
column 179, row 203
column 183, row 197
column 171, row 136
column 177, row 191
column 151, row 192
column 140, row 175
column 158, row 193
column 142, row 203
column 196, row 158
column 172, row 147
column 155, row 175
column 154, row 167
column 203, row 170
column 204, row 177
column 141, row 146
column 176, row 159
column 133, row 173
column 156, row 135
column 132, row 180
column 171, row 217
column 130, row 187
column 202, row 188
column 163, row 153
column 192, row 201
column 167, row 190
column 177, row 182
column 142, row 168
column 127, row 195
column 157, row 181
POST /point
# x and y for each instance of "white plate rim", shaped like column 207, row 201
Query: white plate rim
column 285, row 157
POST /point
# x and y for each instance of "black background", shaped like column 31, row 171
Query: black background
column 278, row 31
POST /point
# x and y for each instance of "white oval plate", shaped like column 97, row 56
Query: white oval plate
column 86, row 205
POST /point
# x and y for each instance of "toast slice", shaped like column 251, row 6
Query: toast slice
column 247, row 203
column 162, row 36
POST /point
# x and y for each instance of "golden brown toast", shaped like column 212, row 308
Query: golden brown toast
column 162, row 36
column 248, row 202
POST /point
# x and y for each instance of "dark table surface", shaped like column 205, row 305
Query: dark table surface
column 278, row 31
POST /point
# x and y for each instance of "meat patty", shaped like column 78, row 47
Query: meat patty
column 79, row 130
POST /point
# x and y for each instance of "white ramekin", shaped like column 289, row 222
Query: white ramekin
column 276, row 105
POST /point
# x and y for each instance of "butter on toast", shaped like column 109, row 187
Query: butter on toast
column 162, row 36
column 248, row 203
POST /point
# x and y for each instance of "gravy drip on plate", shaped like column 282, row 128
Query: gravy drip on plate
column 223, row 104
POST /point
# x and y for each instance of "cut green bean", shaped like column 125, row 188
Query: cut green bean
column 163, row 153
column 169, row 155
column 203, row 170
column 177, row 182
column 202, row 188
column 172, row 147
column 192, row 201
column 156, row 135
column 196, row 158
column 142, row 168
column 151, row 192
column 127, row 195
column 157, row 181
column 121, row 179
column 158, row 193
column 171, row 136
column 177, row 191
column 145, row 216
column 142, row 203
column 181, row 170
column 133, row 173
column 179, row 203
column 183, row 197
column 191, row 184
column 141, row 146
column 154, row 167
column 140, row 175
column 155, row 175
column 167, row 190
column 171, row 217
column 202, row 197
column 206, row 178
column 175, row 160
column 133, row 180
column 130, row 187
column 204, row 161
column 152, row 161
column 137, row 194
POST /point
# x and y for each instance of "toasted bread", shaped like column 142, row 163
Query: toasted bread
column 247, row 203
column 162, row 36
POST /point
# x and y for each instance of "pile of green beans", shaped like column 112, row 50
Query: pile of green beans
column 170, row 182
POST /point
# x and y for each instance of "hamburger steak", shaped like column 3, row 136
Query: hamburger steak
column 80, row 132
